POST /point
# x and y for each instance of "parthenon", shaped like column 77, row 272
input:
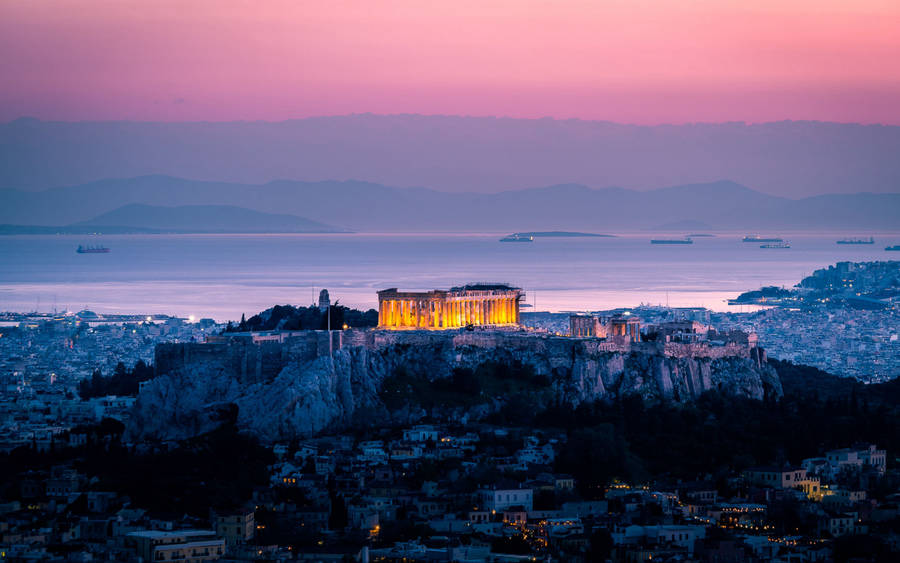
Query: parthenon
column 473, row 304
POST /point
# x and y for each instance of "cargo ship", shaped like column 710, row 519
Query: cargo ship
column 671, row 241
column 780, row 244
column 516, row 238
column 757, row 238
column 92, row 250
column 894, row 247
column 869, row 240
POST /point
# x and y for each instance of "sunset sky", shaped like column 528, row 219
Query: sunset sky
column 635, row 61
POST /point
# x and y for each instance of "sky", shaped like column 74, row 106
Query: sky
column 633, row 61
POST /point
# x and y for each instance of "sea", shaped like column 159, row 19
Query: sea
column 225, row 276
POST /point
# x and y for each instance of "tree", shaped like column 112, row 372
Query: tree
column 123, row 382
column 337, row 519
column 601, row 545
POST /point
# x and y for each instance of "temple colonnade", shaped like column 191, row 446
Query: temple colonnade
column 455, row 308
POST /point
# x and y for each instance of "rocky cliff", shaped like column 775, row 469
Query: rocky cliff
column 297, row 387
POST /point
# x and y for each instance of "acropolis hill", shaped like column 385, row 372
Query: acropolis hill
column 297, row 384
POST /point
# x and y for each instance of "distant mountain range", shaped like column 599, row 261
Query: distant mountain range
column 291, row 206
column 459, row 154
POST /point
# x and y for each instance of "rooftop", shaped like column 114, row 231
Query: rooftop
column 160, row 534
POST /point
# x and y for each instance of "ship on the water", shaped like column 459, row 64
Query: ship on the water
column 516, row 237
column 757, row 238
column 870, row 240
column 671, row 241
column 92, row 249
column 781, row 244
column 895, row 247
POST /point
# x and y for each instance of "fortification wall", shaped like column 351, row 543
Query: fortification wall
column 703, row 350
column 296, row 388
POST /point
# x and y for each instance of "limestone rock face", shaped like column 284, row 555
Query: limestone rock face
column 295, row 388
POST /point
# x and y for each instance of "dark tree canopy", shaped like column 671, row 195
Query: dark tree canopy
column 123, row 382
column 288, row 317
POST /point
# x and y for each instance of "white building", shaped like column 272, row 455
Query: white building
column 420, row 433
column 776, row 477
column 181, row 545
column 372, row 451
column 867, row 455
column 680, row 536
column 500, row 500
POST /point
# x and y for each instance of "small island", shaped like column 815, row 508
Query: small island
column 559, row 234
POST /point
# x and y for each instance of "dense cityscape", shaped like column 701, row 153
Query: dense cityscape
column 500, row 281
column 455, row 474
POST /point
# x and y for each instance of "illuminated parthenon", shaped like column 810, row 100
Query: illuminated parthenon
column 474, row 304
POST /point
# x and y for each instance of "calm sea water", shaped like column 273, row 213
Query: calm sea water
column 223, row 276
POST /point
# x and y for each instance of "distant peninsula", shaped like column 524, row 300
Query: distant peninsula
column 858, row 285
column 72, row 230
column 186, row 219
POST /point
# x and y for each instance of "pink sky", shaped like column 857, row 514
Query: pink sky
column 637, row 61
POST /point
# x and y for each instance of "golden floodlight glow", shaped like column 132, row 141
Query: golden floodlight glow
column 473, row 304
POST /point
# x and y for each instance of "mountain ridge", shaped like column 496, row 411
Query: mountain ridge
column 368, row 206
column 459, row 153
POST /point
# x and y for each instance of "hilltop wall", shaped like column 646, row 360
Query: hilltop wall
column 296, row 388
